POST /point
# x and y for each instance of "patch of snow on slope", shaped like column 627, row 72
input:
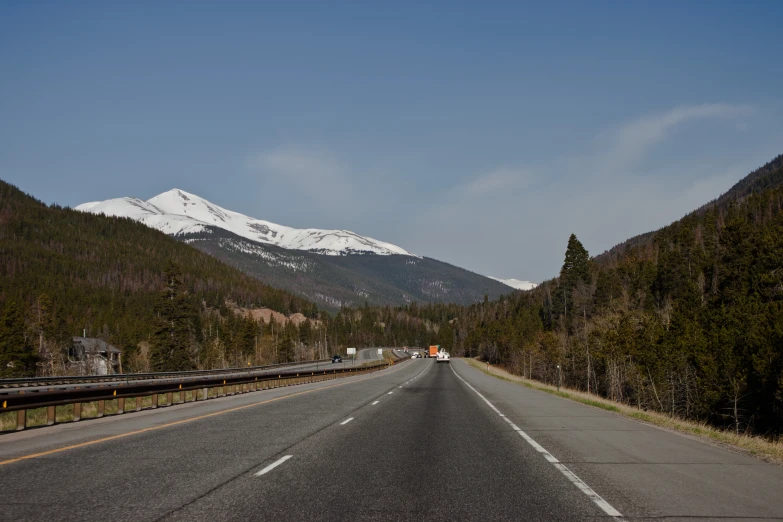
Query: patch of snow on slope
column 516, row 283
column 179, row 212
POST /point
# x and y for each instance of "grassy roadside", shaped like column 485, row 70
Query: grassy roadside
column 752, row 445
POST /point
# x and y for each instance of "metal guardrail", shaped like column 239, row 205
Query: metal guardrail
column 85, row 379
column 22, row 400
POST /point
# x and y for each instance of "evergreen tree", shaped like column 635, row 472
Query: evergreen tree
column 17, row 354
column 607, row 288
column 576, row 266
column 171, row 339
column 286, row 351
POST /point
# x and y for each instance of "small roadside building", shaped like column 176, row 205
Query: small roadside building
column 90, row 356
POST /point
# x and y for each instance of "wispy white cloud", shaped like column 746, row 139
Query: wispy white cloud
column 632, row 141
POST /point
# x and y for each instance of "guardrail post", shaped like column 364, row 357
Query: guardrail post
column 21, row 420
column 121, row 405
column 205, row 393
column 51, row 415
column 101, row 408
column 138, row 403
column 169, row 398
column 154, row 400
column 77, row 411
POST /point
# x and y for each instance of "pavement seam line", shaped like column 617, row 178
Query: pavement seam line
column 605, row 506
column 176, row 423
column 273, row 465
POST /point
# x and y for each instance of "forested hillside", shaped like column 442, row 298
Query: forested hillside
column 63, row 272
column 766, row 177
column 689, row 321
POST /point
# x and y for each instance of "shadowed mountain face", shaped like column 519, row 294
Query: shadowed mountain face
column 348, row 280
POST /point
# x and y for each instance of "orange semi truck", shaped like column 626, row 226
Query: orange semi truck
column 434, row 350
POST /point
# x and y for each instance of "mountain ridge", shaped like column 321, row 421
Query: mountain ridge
column 177, row 212
column 333, row 268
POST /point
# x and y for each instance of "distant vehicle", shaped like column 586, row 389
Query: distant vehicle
column 434, row 349
column 443, row 356
column 337, row 359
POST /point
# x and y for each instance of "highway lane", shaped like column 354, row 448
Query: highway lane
column 430, row 450
column 421, row 441
column 165, row 462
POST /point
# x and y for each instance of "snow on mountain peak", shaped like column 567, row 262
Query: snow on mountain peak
column 516, row 283
column 179, row 212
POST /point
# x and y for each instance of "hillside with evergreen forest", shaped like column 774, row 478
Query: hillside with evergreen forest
column 688, row 321
column 64, row 273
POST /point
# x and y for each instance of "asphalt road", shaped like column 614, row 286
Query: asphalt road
column 420, row 441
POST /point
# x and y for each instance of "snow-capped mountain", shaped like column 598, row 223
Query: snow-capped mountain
column 177, row 212
column 325, row 266
column 516, row 283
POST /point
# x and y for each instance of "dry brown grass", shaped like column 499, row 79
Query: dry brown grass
column 765, row 449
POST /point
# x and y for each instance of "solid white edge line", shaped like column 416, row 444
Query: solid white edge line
column 346, row 421
column 273, row 465
column 605, row 506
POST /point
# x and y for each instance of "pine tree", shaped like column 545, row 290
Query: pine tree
column 286, row 352
column 171, row 339
column 576, row 266
column 17, row 354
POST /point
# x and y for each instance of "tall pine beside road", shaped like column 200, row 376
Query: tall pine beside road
column 174, row 325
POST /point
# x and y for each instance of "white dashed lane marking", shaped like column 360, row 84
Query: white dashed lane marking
column 273, row 465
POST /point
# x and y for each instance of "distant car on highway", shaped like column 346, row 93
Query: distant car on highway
column 337, row 359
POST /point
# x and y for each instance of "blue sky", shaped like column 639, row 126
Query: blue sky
column 477, row 133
